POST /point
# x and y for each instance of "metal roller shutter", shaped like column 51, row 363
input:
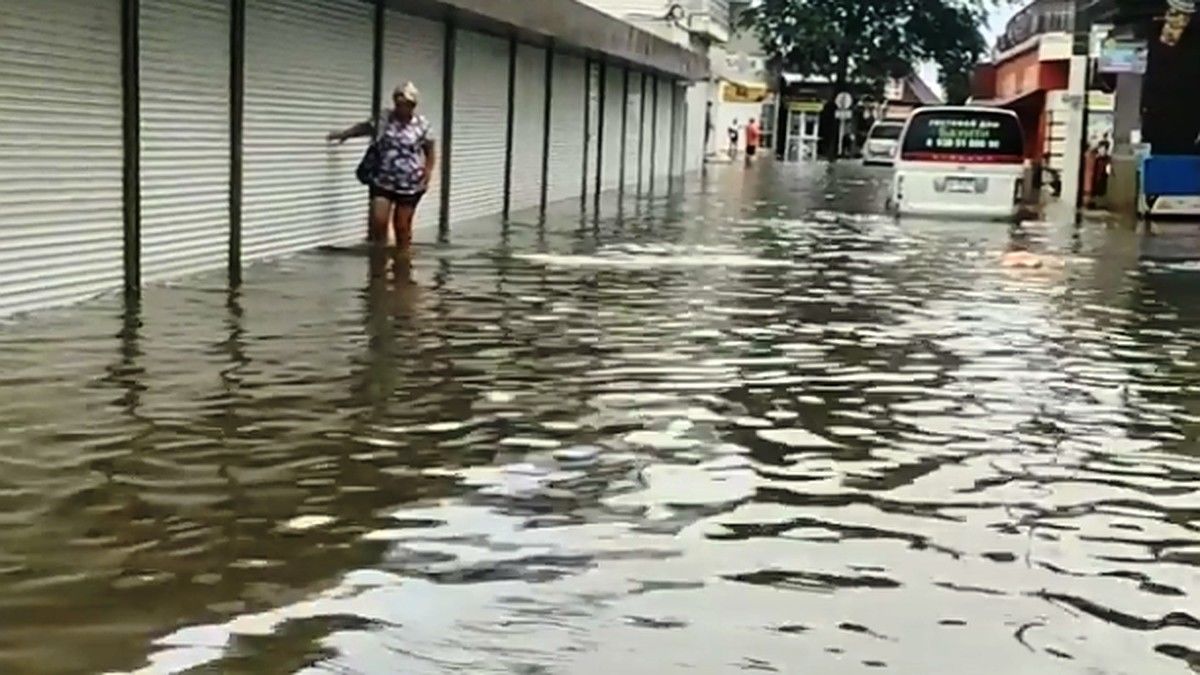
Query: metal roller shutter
column 185, row 136
column 566, row 128
column 613, row 105
column 414, row 51
column 697, row 104
column 480, row 119
column 61, row 237
column 662, row 153
column 633, row 128
column 308, row 71
column 648, row 138
column 528, row 131
column 593, row 119
column 680, row 130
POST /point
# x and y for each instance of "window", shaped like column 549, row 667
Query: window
column 967, row 135
column 886, row 131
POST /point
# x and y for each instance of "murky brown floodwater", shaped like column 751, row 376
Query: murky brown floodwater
column 743, row 432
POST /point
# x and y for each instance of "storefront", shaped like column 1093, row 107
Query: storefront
column 1031, row 80
column 146, row 139
column 1171, row 123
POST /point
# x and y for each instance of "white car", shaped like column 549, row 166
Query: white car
column 961, row 161
column 882, row 141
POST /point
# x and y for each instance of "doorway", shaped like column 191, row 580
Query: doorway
column 803, row 133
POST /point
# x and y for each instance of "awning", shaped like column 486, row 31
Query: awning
column 1012, row 101
column 743, row 92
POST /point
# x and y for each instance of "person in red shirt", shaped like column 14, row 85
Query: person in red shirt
column 753, row 138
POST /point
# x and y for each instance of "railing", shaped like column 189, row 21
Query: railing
column 1043, row 16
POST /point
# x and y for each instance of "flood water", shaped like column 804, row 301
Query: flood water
column 748, row 428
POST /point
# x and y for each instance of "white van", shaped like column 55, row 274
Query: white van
column 882, row 141
column 960, row 161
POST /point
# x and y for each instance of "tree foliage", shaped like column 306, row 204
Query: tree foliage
column 863, row 42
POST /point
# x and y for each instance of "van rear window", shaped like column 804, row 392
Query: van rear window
column 964, row 136
column 887, row 132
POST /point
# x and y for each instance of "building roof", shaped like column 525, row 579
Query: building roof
column 570, row 25
column 920, row 91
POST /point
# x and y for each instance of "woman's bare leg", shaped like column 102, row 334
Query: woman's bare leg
column 402, row 225
column 377, row 220
column 377, row 234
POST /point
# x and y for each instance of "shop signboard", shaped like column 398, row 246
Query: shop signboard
column 1124, row 57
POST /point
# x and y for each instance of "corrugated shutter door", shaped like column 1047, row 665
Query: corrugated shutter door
column 480, row 123
column 414, row 51
column 697, row 104
column 566, row 128
column 528, row 131
column 613, row 106
column 679, row 135
column 593, row 119
column 662, row 153
column 633, row 128
column 648, row 138
column 60, row 151
column 308, row 72
column 185, row 136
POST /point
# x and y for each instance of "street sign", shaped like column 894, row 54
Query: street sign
column 843, row 101
column 845, row 114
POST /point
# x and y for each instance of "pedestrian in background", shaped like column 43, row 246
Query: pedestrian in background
column 753, row 138
column 733, row 134
column 709, row 128
column 405, row 158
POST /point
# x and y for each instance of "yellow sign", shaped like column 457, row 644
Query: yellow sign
column 1098, row 100
column 736, row 92
column 806, row 106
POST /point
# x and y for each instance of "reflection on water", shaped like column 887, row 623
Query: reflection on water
column 749, row 428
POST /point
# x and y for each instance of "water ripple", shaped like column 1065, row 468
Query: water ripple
column 749, row 428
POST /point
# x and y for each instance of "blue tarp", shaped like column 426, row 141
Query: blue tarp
column 1171, row 176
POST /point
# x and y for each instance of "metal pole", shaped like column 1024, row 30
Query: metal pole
column 603, row 97
column 377, row 61
column 449, row 49
column 624, row 128
column 131, row 145
column 587, row 129
column 547, row 121
column 1083, row 48
column 508, row 133
column 237, row 106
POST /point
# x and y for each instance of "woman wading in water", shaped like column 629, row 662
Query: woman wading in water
column 407, row 158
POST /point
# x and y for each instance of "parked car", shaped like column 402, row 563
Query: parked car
column 961, row 160
column 882, row 141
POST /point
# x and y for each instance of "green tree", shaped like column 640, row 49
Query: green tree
column 863, row 42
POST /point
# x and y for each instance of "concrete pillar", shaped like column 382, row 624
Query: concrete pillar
column 1073, row 154
column 1122, row 188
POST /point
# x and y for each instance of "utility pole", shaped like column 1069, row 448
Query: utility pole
column 1079, row 84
